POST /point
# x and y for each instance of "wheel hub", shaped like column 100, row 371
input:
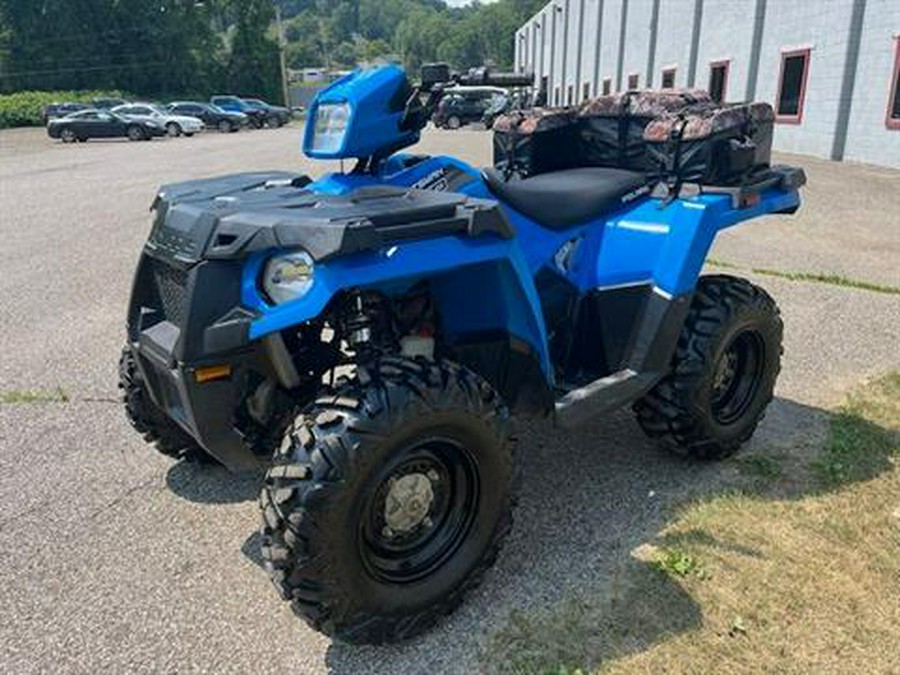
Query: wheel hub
column 726, row 371
column 408, row 503
column 737, row 376
column 420, row 512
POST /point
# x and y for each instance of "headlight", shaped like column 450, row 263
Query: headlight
column 288, row 276
column 330, row 126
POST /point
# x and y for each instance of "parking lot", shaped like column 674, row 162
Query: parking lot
column 115, row 559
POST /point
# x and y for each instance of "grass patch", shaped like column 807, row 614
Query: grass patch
column 759, row 466
column 22, row 397
column 814, row 277
column 801, row 584
column 862, row 436
column 678, row 562
column 712, row 262
column 832, row 279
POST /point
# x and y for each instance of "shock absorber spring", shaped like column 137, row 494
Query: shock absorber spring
column 364, row 321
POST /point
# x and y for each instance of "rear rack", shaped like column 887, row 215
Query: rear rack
column 747, row 193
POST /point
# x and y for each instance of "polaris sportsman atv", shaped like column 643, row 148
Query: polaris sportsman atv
column 365, row 337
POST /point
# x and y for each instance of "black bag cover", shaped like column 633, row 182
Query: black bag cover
column 711, row 143
column 611, row 128
column 535, row 141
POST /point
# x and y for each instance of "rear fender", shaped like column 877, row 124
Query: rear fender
column 667, row 244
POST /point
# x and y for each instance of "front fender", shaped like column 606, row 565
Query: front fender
column 483, row 284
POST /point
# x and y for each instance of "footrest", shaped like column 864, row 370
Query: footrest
column 601, row 396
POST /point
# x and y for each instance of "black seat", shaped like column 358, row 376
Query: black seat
column 560, row 199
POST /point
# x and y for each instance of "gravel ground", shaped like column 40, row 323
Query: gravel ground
column 114, row 559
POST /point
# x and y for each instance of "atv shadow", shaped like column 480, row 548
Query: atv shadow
column 590, row 499
column 212, row 483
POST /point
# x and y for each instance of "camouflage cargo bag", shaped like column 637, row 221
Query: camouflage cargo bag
column 539, row 140
column 711, row 143
column 611, row 128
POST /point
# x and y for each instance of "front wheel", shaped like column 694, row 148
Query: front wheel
column 389, row 499
column 224, row 126
column 149, row 421
column 453, row 122
column 723, row 372
column 173, row 130
column 68, row 136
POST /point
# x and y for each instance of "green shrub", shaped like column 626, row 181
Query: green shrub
column 23, row 109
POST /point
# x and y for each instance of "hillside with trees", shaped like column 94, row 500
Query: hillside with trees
column 181, row 47
column 148, row 47
column 341, row 33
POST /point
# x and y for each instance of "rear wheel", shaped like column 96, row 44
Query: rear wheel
column 723, row 372
column 136, row 133
column 173, row 129
column 453, row 122
column 224, row 126
column 389, row 499
column 149, row 421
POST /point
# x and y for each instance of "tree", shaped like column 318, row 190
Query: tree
column 253, row 62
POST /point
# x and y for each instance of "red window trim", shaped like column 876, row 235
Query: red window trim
column 801, row 103
column 628, row 80
column 666, row 71
column 727, row 64
column 889, row 122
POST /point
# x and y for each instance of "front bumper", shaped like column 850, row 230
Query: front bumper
column 183, row 317
column 205, row 411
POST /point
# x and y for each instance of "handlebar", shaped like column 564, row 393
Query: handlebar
column 484, row 77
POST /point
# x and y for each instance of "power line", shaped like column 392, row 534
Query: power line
column 59, row 71
column 93, row 34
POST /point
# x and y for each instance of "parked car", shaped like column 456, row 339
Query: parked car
column 94, row 123
column 276, row 115
column 498, row 106
column 55, row 110
column 212, row 115
column 175, row 125
column 465, row 106
column 108, row 103
column 256, row 116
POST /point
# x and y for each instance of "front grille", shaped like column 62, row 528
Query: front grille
column 171, row 289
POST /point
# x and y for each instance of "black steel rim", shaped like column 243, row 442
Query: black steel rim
column 407, row 556
column 737, row 377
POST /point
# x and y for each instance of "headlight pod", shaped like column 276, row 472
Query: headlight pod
column 330, row 126
column 288, row 277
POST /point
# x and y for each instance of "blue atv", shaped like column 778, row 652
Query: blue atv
column 365, row 337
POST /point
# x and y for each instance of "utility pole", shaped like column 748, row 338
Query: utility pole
column 281, row 62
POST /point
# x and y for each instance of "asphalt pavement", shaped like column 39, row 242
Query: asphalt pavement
column 115, row 559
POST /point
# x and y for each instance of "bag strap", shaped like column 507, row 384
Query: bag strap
column 624, row 121
column 673, row 174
